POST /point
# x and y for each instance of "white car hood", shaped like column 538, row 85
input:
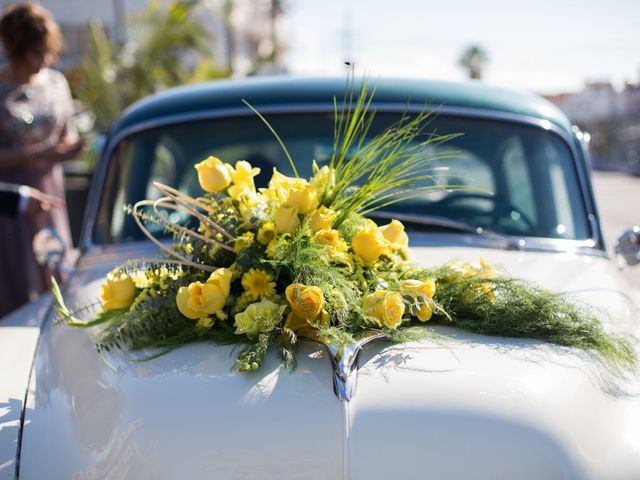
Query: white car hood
column 462, row 406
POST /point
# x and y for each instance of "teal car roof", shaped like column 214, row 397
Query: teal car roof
column 290, row 91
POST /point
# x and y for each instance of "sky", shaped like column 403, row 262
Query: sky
column 544, row 46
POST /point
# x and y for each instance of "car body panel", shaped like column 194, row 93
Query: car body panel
column 185, row 414
column 19, row 334
column 188, row 413
column 485, row 408
column 195, row 99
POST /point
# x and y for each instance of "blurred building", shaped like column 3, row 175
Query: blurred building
column 249, row 34
column 612, row 118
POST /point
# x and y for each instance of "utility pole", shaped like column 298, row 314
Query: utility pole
column 120, row 22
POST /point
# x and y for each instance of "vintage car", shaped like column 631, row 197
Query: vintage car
column 459, row 406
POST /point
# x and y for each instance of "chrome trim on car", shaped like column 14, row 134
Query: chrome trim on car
column 344, row 362
column 593, row 243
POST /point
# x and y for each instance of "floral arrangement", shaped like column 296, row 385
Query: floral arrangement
column 299, row 258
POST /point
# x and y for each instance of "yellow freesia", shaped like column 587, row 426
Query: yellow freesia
column 394, row 233
column 244, row 173
column 324, row 180
column 260, row 317
column 239, row 190
column 242, row 178
column 303, row 327
column 424, row 287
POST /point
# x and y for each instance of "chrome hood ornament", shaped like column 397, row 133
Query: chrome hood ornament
column 345, row 366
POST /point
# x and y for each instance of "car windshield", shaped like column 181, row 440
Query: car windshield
column 505, row 177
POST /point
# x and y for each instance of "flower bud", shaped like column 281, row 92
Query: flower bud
column 213, row 175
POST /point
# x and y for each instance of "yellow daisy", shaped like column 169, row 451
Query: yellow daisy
column 258, row 284
column 267, row 233
column 243, row 241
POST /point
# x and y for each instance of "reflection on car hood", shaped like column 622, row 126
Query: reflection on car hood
column 459, row 406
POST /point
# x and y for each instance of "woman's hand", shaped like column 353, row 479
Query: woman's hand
column 59, row 152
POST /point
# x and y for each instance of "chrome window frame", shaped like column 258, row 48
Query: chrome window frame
column 592, row 245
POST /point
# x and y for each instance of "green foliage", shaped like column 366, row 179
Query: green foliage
column 113, row 76
column 516, row 308
column 388, row 168
column 299, row 260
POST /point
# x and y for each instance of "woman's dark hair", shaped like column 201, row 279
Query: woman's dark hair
column 25, row 27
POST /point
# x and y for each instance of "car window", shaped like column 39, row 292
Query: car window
column 502, row 176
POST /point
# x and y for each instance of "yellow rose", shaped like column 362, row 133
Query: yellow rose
column 306, row 305
column 286, row 219
column 301, row 195
column 118, row 292
column 213, row 175
column 386, row 307
column 199, row 300
column 395, row 234
column 324, row 179
column 306, row 301
column 331, row 239
column 221, row 278
column 321, row 219
column 302, row 326
column 369, row 244
column 416, row 287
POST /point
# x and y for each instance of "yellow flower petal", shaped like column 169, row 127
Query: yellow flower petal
column 369, row 244
column 213, row 175
column 118, row 292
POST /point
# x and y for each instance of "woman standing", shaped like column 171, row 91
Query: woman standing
column 36, row 135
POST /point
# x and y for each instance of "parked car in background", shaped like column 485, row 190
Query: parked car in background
column 461, row 406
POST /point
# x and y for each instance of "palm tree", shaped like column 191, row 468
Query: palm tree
column 474, row 59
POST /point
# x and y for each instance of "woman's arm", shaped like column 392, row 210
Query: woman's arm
column 33, row 156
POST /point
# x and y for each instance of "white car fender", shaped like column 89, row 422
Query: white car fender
column 19, row 334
